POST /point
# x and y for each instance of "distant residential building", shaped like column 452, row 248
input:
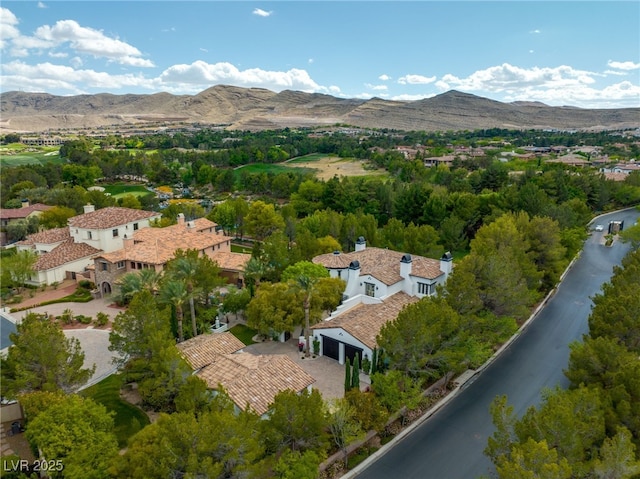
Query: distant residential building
column 14, row 215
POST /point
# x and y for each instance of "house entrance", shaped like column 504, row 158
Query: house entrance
column 330, row 348
column 106, row 289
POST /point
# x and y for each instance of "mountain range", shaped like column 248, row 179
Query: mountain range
column 261, row 109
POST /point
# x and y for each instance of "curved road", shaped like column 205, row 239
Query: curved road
column 450, row 444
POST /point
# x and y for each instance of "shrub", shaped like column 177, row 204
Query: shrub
column 101, row 319
column 86, row 284
column 81, row 318
column 16, row 299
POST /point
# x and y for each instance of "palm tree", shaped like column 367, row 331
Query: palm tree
column 186, row 269
column 254, row 271
column 134, row 282
column 306, row 284
column 175, row 293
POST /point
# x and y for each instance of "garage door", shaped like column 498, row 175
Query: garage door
column 350, row 352
column 330, row 348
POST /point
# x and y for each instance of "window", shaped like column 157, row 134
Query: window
column 369, row 289
column 89, row 235
column 104, row 266
column 115, row 233
column 135, row 226
column 425, row 288
column 121, row 264
column 133, row 265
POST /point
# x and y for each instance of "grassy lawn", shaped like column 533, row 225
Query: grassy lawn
column 310, row 158
column 21, row 156
column 121, row 189
column 236, row 248
column 244, row 333
column 269, row 168
column 128, row 418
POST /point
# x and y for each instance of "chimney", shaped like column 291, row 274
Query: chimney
column 353, row 278
column 361, row 244
column 446, row 263
column 180, row 218
column 89, row 208
column 25, row 203
column 405, row 266
column 127, row 242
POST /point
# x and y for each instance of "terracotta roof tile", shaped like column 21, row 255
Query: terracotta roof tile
column 203, row 350
column 17, row 213
column 51, row 236
column 110, row 217
column 255, row 380
column 231, row 261
column 159, row 245
column 365, row 321
column 65, row 253
column 382, row 264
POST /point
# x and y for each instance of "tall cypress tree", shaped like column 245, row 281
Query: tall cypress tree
column 347, row 375
column 374, row 361
column 355, row 378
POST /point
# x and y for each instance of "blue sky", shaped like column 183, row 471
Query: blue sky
column 584, row 54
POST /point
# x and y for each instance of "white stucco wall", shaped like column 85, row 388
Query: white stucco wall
column 341, row 335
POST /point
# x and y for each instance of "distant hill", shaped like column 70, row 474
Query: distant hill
column 259, row 109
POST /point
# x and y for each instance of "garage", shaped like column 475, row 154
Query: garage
column 351, row 351
column 330, row 347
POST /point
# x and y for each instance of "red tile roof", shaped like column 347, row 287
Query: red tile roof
column 365, row 321
column 382, row 264
column 17, row 213
column 205, row 348
column 65, row 253
column 110, row 217
column 55, row 235
column 255, row 380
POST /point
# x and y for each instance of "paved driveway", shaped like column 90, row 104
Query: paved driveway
column 94, row 342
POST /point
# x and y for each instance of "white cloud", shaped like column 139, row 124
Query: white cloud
column 262, row 13
column 83, row 40
column 377, row 87
column 384, row 77
column 58, row 54
column 623, row 65
column 76, row 62
column 204, row 50
column 42, row 5
column 205, row 75
column 536, row 31
column 310, row 61
column 415, row 80
column 411, row 97
column 8, row 27
column 50, row 77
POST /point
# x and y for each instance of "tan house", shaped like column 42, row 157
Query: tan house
column 252, row 381
column 64, row 253
column 154, row 247
column 380, row 283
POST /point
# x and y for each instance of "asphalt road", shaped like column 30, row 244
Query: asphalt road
column 450, row 444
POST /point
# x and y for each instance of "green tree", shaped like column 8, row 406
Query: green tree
column 262, row 220
column 20, row 266
column 275, row 308
column 42, row 358
column 297, row 465
column 297, row 422
column 132, row 329
column 56, row 217
column 77, row 432
column 185, row 268
column 175, row 293
column 423, row 340
column 533, row 460
column 355, row 373
column 135, row 282
column 342, row 425
column 304, row 276
column 396, row 390
column 130, row 201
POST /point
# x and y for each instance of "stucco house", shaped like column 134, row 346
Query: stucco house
column 380, row 283
column 252, row 381
column 66, row 252
column 154, row 247
column 14, row 215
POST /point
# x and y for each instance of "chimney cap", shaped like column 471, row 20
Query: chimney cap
column 406, row 258
column 360, row 240
column 447, row 256
column 336, row 252
column 354, row 265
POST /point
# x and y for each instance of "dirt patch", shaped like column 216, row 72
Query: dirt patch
column 130, row 394
column 331, row 166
